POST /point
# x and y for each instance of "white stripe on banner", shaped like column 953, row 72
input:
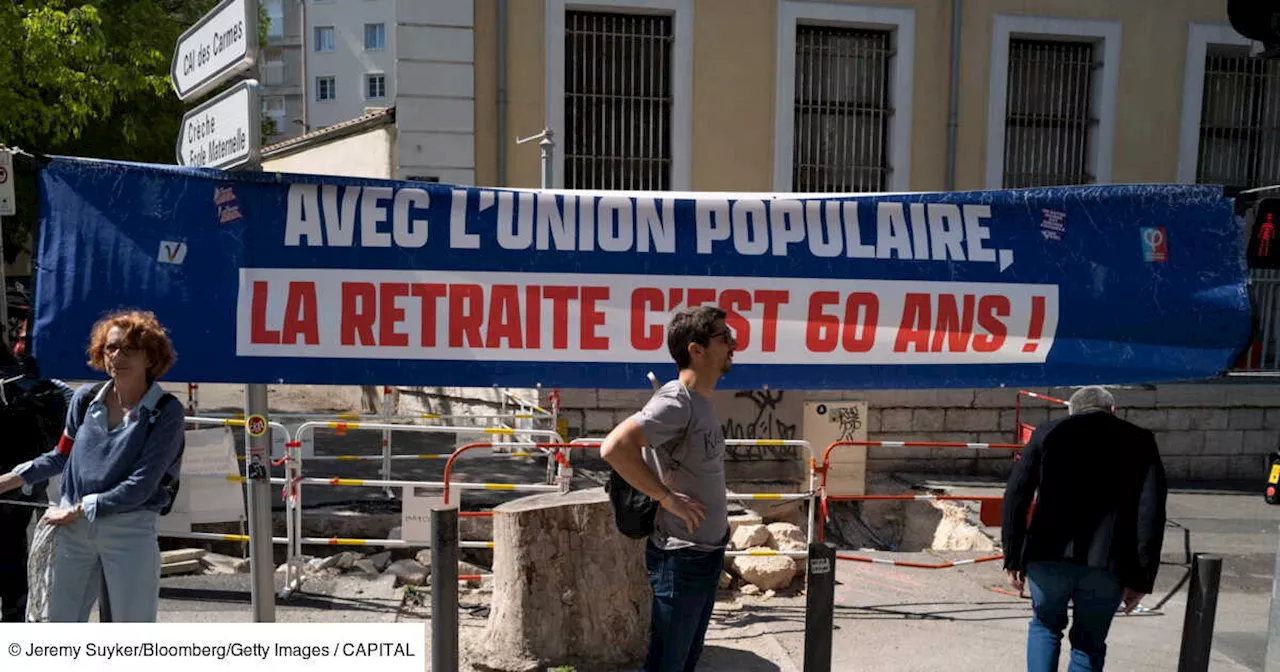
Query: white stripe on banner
column 557, row 317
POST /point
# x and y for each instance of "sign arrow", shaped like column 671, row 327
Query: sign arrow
column 222, row 44
column 224, row 132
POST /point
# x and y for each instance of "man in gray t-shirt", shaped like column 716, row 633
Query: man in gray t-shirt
column 673, row 451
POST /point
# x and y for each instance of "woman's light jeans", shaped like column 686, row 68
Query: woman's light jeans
column 120, row 547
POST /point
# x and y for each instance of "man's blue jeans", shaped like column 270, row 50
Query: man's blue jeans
column 1095, row 594
column 684, row 585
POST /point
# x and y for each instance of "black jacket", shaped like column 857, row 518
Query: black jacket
column 1099, row 491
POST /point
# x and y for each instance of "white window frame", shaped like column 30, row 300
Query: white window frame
column 1199, row 37
column 368, row 78
column 384, row 36
column 1106, row 34
column 334, row 80
column 333, row 33
column 681, row 77
column 901, row 22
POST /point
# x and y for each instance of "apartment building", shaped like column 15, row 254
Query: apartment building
column 281, row 69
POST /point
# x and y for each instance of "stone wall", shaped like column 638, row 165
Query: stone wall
column 1205, row 431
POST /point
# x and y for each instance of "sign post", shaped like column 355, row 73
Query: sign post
column 225, row 132
column 8, row 208
column 219, row 46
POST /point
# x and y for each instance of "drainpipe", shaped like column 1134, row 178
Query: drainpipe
column 502, row 93
column 302, row 37
column 953, row 118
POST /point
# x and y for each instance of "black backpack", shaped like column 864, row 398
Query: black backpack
column 170, row 481
column 635, row 513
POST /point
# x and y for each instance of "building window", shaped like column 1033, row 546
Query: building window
column 842, row 111
column 375, row 86
column 1239, row 119
column 375, row 36
column 273, row 106
column 326, row 88
column 618, row 101
column 324, row 38
column 275, row 17
column 1049, row 124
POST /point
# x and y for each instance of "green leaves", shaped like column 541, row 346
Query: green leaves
column 88, row 78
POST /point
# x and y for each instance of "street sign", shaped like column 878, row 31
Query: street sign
column 219, row 46
column 8, row 203
column 224, row 132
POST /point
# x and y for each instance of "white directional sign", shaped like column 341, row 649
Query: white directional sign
column 221, row 45
column 225, row 132
column 8, row 203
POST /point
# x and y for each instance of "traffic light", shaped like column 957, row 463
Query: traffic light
column 1264, row 248
column 1257, row 20
column 1273, row 480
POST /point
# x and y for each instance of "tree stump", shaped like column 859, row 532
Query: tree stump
column 569, row 589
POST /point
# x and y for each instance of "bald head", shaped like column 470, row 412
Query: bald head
column 1091, row 400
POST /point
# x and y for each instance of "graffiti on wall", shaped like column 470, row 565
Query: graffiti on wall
column 762, row 420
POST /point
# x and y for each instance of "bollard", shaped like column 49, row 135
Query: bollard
column 1202, row 606
column 1273, row 631
column 444, row 588
column 820, row 607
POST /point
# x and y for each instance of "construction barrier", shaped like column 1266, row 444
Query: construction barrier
column 988, row 504
column 294, row 469
column 1022, row 430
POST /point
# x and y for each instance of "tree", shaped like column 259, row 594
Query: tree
column 87, row 78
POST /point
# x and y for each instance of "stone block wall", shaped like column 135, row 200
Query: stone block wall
column 1206, row 431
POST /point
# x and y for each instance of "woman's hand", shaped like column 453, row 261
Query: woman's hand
column 58, row 516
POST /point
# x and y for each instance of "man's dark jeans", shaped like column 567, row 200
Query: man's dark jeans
column 1095, row 595
column 684, row 593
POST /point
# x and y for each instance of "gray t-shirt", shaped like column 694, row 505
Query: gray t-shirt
column 691, row 463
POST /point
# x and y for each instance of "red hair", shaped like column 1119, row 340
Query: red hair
column 141, row 330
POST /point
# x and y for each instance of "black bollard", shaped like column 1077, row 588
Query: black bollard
column 444, row 589
column 820, row 607
column 1202, row 606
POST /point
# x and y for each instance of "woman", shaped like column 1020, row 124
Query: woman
column 127, row 436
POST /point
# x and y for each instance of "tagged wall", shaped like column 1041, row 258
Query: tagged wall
column 1205, row 431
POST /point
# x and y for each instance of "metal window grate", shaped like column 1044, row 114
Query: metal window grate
column 1240, row 147
column 1239, row 119
column 842, row 110
column 618, row 97
column 1049, row 121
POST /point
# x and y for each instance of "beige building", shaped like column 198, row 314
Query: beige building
column 792, row 95
column 760, row 95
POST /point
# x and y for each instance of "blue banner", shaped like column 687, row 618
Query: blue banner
column 271, row 278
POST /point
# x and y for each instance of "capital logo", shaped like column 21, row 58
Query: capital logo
column 1155, row 244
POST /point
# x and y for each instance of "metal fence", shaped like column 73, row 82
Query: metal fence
column 618, row 94
column 1049, row 120
column 1239, row 119
column 842, row 109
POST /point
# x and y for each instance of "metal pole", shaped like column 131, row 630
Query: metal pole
column 1202, row 606
column 548, row 147
column 1273, row 632
column 4, row 286
column 820, row 607
column 258, row 451
column 444, row 588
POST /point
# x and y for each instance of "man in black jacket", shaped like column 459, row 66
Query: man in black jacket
column 1094, row 536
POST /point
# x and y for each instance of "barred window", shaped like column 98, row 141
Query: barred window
column 1049, row 120
column 618, row 95
column 1239, row 119
column 842, row 110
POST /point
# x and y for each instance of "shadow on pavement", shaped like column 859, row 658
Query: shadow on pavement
column 721, row 658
